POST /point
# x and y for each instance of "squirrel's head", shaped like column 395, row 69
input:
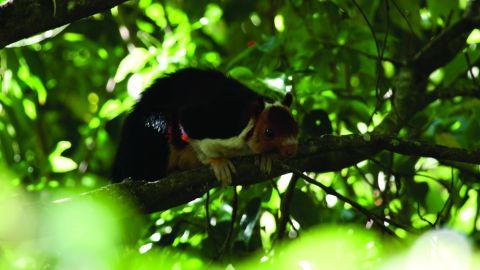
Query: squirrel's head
column 275, row 130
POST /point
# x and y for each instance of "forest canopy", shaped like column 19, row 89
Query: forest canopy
column 386, row 95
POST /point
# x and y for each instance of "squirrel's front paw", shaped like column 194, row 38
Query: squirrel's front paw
column 265, row 161
column 223, row 169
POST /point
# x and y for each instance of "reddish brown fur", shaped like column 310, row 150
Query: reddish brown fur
column 284, row 127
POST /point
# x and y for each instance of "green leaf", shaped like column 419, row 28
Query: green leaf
column 33, row 82
column 157, row 14
column 474, row 37
column 271, row 44
column 62, row 164
column 434, row 201
column 213, row 13
column 111, row 109
column 58, row 163
column 441, row 8
column 304, row 209
column 73, row 37
column 459, row 66
column 241, row 73
column 247, row 224
column 30, row 109
column 410, row 15
column 132, row 63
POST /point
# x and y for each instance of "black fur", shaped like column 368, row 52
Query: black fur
column 206, row 104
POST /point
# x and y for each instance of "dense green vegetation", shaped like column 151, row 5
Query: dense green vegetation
column 401, row 68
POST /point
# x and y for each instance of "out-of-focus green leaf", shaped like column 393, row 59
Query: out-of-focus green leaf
column 271, row 44
column 111, row 109
column 213, row 13
column 458, row 66
column 132, row 63
column 306, row 210
column 30, row 109
column 441, row 9
column 247, row 225
column 474, row 37
column 409, row 14
column 33, row 82
column 61, row 164
column 241, row 73
column 156, row 12
column 73, row 37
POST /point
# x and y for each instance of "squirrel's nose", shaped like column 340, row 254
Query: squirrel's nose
column 289, row 150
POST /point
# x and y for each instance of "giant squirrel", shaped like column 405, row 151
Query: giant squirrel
column 194, row 117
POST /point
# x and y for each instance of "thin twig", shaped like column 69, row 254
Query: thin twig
column 422, row 218
column 379, row 64
column 293, row 225
column 412, row 33
column 448, row 204
column 207, row 212
column 226, row 244
column 340, row 46
column 372, row 31
column 360, row 52
column 285, row 207
column 355, row 205
column 469, row 64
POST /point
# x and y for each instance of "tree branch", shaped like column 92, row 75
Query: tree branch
column 444, row 47
column 409, row 85
column 23, row 18
column 454, row 91
column 378, row 219
column 285, row 207
column 327, row 153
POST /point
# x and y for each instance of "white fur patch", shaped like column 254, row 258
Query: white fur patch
column 225, row 148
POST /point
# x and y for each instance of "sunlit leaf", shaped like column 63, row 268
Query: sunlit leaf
column 61, row 164
column 131, row 63
column 111, row 109
column 241, row 73
column 474, row 37
column 156, row 13
column 30, row 109
column 213, row 13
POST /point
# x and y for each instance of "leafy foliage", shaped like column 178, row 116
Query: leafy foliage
column 63, row 99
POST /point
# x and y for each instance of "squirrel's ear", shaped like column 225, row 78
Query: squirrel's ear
column 287, row 100
column 258, row 106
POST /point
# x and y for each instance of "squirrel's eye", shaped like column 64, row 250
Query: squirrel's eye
column 269, row 133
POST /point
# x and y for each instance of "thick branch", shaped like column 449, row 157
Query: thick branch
column 455, row 91
column 409, row 98
column 323, row 154
column 444, row 47
column 23, row 18
column 410, row 84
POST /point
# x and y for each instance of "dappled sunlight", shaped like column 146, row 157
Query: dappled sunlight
column 385, row 94
column 439, row 250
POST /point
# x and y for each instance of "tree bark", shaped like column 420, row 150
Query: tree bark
column 21, row 19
